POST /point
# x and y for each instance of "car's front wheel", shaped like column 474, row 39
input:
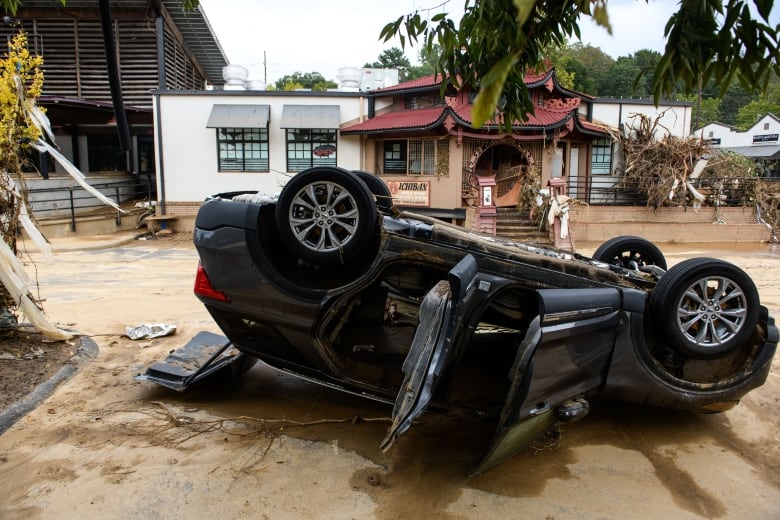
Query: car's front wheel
column 325, row 215
column 630, row 252
column 705, row 307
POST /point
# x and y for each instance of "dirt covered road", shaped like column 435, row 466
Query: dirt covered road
column 271, row 446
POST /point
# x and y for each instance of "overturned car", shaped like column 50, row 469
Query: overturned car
column 328, row 281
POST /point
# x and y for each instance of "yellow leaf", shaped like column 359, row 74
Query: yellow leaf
column 524, row 9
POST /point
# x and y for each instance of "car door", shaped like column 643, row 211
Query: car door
column 564, row 356
column 441, row 318
column 565, row 353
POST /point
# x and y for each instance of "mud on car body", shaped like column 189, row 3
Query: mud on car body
column 330, row 282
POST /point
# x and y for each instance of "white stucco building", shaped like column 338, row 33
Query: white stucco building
column 674, row 118
column 760, row 142
column 218, row 141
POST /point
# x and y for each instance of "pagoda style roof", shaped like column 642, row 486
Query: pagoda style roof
column 558, row 108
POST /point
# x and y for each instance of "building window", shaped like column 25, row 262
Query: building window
column 307, row 147
column 766, row 126
column 601, row 158
column 105, row 155
column 145, row 154
column 394, row 157
column 243, row 149
column 416, row 157
column 414, row 102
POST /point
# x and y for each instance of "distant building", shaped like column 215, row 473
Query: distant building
column 216, row 141
column 760, row 142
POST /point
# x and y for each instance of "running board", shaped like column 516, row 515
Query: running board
column 204, row 355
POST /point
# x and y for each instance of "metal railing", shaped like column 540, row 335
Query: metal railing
column 617, row 191
column 72, row 201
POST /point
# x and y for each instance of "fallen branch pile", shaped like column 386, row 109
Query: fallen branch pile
column 768, row 198
column 664, row 171
column 659, row 168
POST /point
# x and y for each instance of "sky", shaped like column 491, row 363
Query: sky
column 274, row 38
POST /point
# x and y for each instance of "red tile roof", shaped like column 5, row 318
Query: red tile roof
column 542, row 117
column 424, row 118
column 531, row 77
column 592, row 127
column 413, row 84
column 546, row 117
column 416, row 119
column 555, row 114
column 434, row 80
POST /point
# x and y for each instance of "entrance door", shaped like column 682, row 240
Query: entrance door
column 574, row 171
column 508, row 164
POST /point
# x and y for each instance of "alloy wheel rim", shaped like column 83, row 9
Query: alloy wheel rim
column 711, row 311
column 324, row 216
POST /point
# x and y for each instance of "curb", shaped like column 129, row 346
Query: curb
column 74, row 243
column 84, row 354
column 98, row 245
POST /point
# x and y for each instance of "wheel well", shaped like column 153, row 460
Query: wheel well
column 270, row 254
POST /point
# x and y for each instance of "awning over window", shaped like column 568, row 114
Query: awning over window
column 310, row 116
column 756, row 152
column 239, row 116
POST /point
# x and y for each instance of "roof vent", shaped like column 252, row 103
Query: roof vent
column 255, row 84
column 349, row 78
column 235, row 75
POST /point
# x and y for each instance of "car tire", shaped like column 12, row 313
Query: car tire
column 705, row 308
column 624, row 250
column 325, row 215
column 384, row 199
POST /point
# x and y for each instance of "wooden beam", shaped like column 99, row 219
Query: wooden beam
column 87, row 13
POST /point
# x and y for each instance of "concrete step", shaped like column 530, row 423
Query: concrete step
column 517, row 226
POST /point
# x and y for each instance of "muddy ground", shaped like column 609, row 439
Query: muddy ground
column 271, row 446
column 28, row 359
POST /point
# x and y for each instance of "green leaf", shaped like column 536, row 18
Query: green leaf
column 490, row 90
column 391, row 29
column 764, row 7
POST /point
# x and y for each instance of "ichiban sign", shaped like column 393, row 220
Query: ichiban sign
column 410, row 193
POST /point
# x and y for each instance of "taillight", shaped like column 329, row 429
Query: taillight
column 204, row 288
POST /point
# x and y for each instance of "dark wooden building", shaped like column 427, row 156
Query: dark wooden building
column 152, row 45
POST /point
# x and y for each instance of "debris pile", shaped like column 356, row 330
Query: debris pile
column 676, row 171
column 671, row 171
column 768, row 203
column 659, row 169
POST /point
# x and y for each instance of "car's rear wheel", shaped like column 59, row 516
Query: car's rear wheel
column 628, row 252
column 325, row 215
column 706, row 307
column 384, row 199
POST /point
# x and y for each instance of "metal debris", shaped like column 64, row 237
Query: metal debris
column 150, row 330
